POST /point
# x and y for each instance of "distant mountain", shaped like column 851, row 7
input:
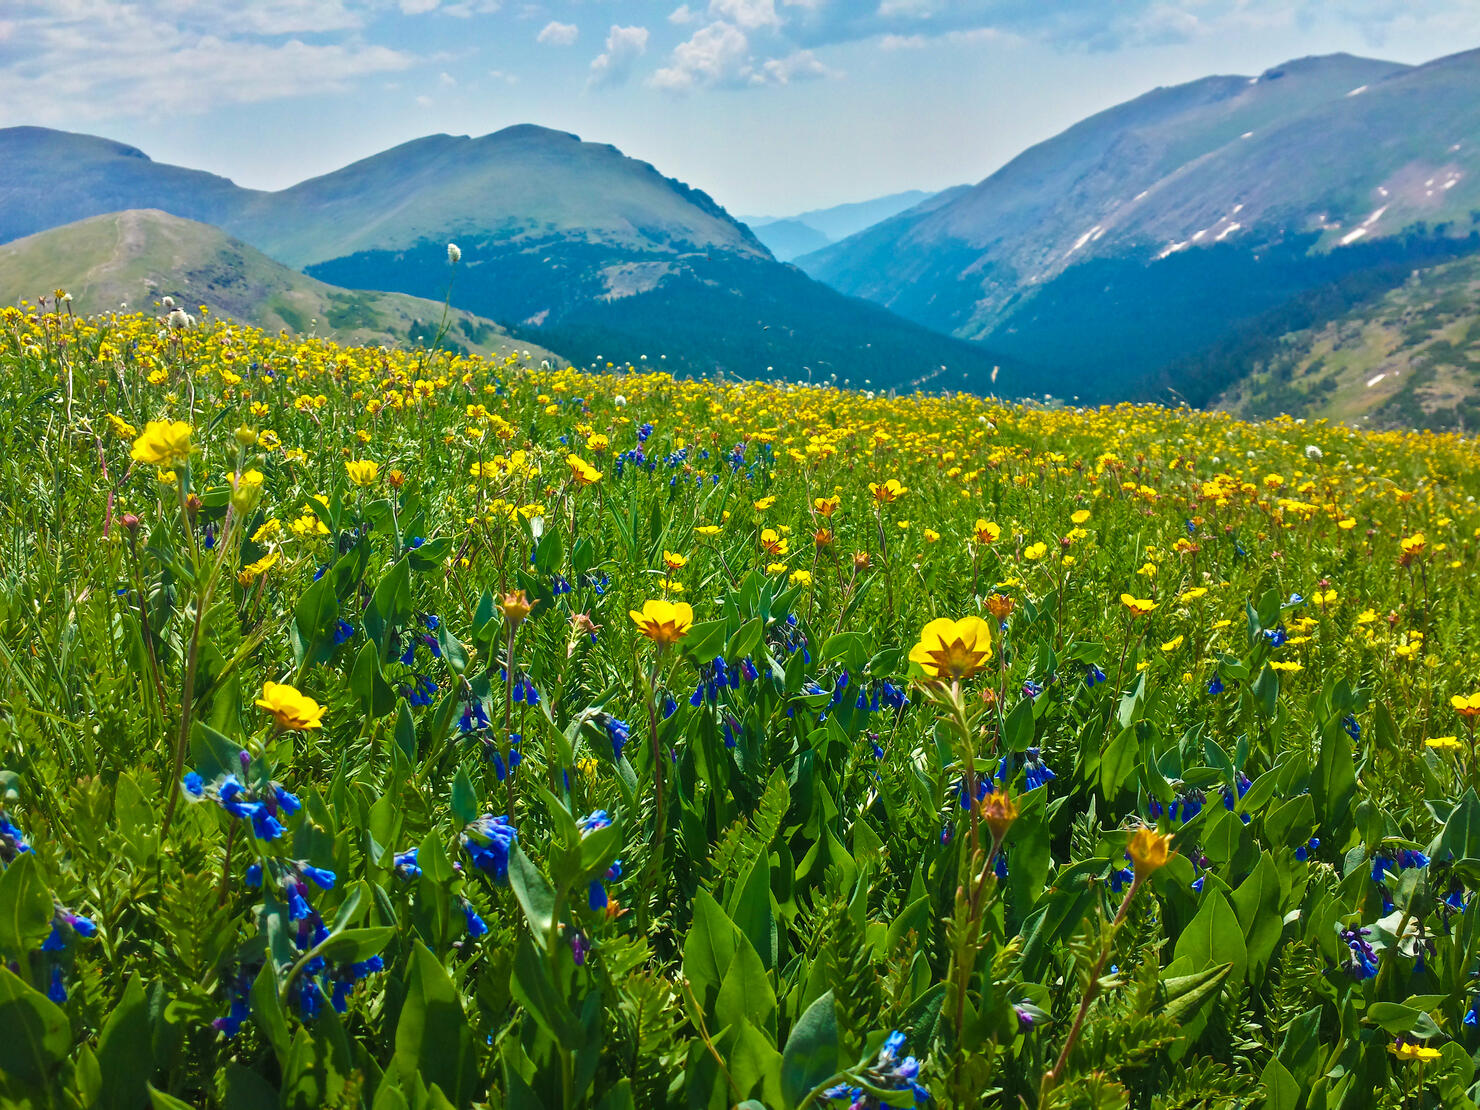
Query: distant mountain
column 1408, row 358
column 1146, row 234
column 137, row 257
column 789, row 237
column 571, row 244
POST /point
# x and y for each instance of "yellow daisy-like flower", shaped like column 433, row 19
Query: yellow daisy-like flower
column 663, row 622
column 1139, row 606
column 583, row 472
column 800, row 577
column 885, row 492
column 1080, row 517
column 165, row 443
column 1466, row 705
column 1409, row 1051
column 953, row 649
column 289, row 708
column 1288, row 667
column 987, row 532
column 674, row 561
column 1035, row 551
column 362, row 472
column 1444, row 744
column 1173, row 644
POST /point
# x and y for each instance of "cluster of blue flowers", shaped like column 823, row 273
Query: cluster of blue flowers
column 488, row 841
column 888, row 1073
column 596, row 896
column 1404, row 859
column 66, row 926
column 616, row 730
column 261, row 805
column 1362, row 963
column 294, row 881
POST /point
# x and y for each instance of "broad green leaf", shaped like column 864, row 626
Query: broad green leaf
column 813, row 1052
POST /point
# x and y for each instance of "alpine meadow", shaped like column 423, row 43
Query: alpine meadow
column 418, row 729
column 485, row 627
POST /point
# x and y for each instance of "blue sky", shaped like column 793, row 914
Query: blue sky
column 771, row 106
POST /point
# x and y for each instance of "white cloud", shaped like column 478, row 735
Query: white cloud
column 719, row 55
column 682, row 14
column 419, row 7
column 76, row 59
column 714, row 54
column 749, row 15
column 624, row 45
column 556, row 33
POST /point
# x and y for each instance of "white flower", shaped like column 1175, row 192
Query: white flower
column 179, row 318
column 1312, row 451
column 169, row 302
column 454, row 253
column 619, row 400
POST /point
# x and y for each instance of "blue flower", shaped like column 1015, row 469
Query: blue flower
column 488, row 841
column 1037, row 771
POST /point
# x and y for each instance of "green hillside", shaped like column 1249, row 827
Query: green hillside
column 137, row 257
column 1411, row 358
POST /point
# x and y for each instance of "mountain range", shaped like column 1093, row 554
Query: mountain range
column 1252, row 242
column 787, row 237
column 1138, row 252
column 571, row 245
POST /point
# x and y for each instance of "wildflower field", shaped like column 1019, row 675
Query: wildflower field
column 408, row 730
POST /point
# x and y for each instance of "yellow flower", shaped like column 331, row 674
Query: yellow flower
column 1444, row 744
column 953, row 649
column 362, row 472
column 664, row 622
column 674, row 561
column 1367, row 616
column 1413, row 545
column 289, row 708
column 1148, row 850
column 246, row 488
column 1410, row 1051
column 1139, row 606
column 598, row 443
column 1035, row 551
column 1346, row 524
column 826, row 505
column 515, row 606
column 1467, row 706
column 931, row 536
column 885, row 492
column 252, row 571
column 999, row 811
column 773, row 543
column 763, row 504
column 1080, row 517
column 1288, row 667
column 801, row 577
column 708, row 530
column 165, row 443
column 1172, row 644
column 987, row 531
column 121, row 427
column 583, row 472
column 1192, row 594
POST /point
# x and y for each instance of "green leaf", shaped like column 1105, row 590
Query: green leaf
column 1017, row 730
column 356, row 945
column 1185, row 994
column 25, row 908
column 813, row 1053
column 1257, row 904
column 1118, row 762
column 369, row 685
column 1214, row 936
column 708, row 949
column 34, row 1032
column 533, row 988
column 533, row 891
column 267, row 1010
column 123, row 1060
column 159, row 1100
column 433, row 1040
column 465, row 805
